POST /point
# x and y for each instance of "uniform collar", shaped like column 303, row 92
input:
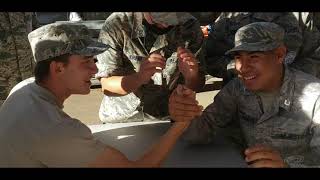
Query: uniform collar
column 287, row 89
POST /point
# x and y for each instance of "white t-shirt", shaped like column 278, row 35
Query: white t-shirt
column 36, row 132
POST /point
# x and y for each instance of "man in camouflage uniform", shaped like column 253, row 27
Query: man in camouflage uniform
column 16, row 61
column 221, row 38
column 308, row 58
column 141, row 43
column 272, row 110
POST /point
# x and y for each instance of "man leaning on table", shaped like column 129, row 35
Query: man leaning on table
column 273, row 110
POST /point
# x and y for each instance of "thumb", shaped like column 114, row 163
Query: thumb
column 182, row 90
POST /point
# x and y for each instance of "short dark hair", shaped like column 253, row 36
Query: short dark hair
column 41, row 70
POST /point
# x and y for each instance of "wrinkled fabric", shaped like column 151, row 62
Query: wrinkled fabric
column 120, row 109
column 308, row 58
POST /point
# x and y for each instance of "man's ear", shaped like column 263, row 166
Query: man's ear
column 281, row 53
column 57, row 68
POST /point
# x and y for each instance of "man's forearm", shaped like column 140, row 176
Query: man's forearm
column 198, row 132
column 159, row 151
column 120, row 85
column 152, row 158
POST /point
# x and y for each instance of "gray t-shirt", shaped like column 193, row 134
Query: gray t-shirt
column 268, row 100
column 36, row 132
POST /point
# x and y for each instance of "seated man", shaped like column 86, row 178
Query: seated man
column 149, row 53
column 221, row 37
column 36, row 132
column 271, row 109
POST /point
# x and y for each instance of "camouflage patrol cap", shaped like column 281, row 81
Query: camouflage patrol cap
column 170, row 18
column 258, row 36
column 60, row 38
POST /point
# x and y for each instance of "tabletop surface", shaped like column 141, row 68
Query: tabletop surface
column 133, row 139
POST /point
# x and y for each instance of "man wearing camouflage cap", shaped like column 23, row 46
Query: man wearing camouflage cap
column 271, row 110
column 36, row 132
column 141, row 44
column 221, row 39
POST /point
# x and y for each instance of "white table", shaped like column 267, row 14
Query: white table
column 133, row 139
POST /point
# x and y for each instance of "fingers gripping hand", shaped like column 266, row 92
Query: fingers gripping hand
column 183, row 105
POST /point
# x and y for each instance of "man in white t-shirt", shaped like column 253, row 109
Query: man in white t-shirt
column 36, row 132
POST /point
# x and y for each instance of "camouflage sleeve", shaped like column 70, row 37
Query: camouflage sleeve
column 312, row 158
column 223, row 32
column 217, row 115
column 293, row 34
column 111, row 61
